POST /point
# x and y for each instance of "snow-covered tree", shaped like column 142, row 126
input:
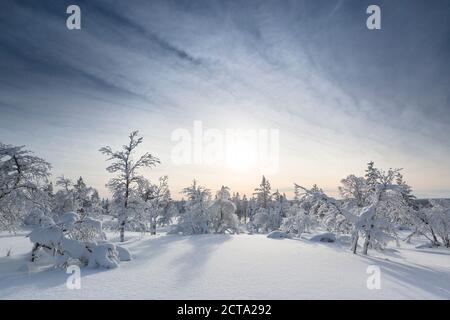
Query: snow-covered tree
column 297, row 221
column 87, row 199
column 94, row 207
column 372, row 176
column 311, row 201
column 263, row 194
column 252, row 208
column 238, row 202
column 375, row 221
column 311, row 207
column 367, row 212
column 267, row 219
column 127, row 177
column 155, row 203
column 356, row 188
column 266, row 215
column 195, row 219
column 280, row 203
column 76, row 197
column 106, row 207
column 222, row 213
column 405, row 189
column 23, row 178
column 169, row 212
column 64, row 198
column 440, row 213
column 244, row 206
column 431, row 220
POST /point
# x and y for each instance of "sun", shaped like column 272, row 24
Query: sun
column 241, row 155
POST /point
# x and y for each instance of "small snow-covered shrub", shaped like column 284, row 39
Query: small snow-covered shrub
column 124, row 254
column 297, row 221
column 427, row 245
column 74, row 240
column 324, row 237
column 277, row 234
column 267, row 219
column 75, row 249
column 88, row 229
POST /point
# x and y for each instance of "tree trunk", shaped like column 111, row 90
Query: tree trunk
column 366, row 244
column 220, row 221
column 124, row 214
column 122, row 231
column 355, row 242
column 446, row 241
column 435, row 240
column 153, row 226
column 33, row 251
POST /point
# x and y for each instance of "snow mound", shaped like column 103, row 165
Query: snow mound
column 49, row 236
column 344, row 239
column 277, row 235
column 104, row 255
column 68, row 219
column 75, row 249
column 324, row 237
column 427, row 245
column 124, row 254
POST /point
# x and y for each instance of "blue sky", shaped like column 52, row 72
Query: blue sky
column 339, row 94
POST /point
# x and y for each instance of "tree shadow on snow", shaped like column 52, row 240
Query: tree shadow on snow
column 438, row 251
column 20, row 273
column 192, row 263
column 151, row 248
column 189, row 262
column 336, row 246
column 345, row 246
column 433, row 280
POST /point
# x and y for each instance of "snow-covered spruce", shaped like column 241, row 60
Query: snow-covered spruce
column 74, row 240
column 268, row 208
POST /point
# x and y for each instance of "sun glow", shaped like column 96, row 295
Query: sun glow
column 241, row 155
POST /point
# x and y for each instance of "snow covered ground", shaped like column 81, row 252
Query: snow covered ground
column 232, row 267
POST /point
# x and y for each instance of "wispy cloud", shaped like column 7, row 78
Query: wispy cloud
column 340, row 94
